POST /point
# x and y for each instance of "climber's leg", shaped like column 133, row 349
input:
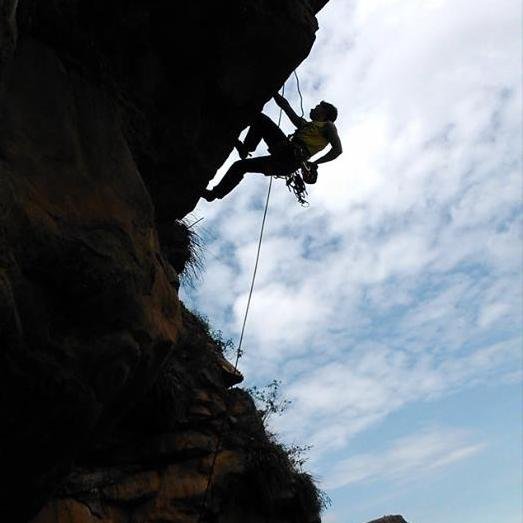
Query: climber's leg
column 262, row 128
column 262, row 164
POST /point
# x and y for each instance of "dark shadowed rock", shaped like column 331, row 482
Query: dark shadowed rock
column 113, row 117
column 155, row 466
column 189, row 76
column 89, row 315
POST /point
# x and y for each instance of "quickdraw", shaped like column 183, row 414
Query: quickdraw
column 307, row 173
column 296, row 185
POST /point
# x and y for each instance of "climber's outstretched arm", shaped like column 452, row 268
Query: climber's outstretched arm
column 288, row 110
column 335, row 142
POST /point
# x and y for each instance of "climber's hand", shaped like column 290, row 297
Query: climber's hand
column 285, row 106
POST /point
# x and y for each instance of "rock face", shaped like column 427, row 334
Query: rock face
column 156, row 465
column 389, row 519
column 189, row 76
column 113, row 117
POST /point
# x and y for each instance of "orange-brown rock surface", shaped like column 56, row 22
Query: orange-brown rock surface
column 113, row 117
column 157, row 464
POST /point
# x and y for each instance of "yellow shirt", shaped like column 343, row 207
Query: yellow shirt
column 312, row 135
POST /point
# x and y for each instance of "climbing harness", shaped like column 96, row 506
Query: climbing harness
column 296, row 183
column 307, row 173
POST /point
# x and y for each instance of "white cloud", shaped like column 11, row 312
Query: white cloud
column 402, row 282
column 330, row 518
column 335, row 401
column 406, row 459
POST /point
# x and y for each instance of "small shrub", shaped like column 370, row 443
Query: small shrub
column 269, row 398
column 297, row 454
column 275, row 467
column 183, row 247
column 224, row 345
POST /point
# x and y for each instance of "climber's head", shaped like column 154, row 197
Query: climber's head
column 323, row 112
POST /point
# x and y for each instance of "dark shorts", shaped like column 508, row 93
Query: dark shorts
column 282, row 161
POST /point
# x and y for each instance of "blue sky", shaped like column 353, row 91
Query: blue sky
column 391, row 308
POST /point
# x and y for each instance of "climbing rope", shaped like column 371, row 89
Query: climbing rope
column 281, row 110
column 239, row 352
column 295, row 180
column 194, row 223
column 299, row 92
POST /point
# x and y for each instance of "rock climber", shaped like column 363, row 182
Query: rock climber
column 287, row 155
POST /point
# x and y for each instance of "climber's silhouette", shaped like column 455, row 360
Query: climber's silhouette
column 287, row 155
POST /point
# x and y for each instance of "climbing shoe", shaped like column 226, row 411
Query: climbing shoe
column 242, row 150
column 208, row 195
